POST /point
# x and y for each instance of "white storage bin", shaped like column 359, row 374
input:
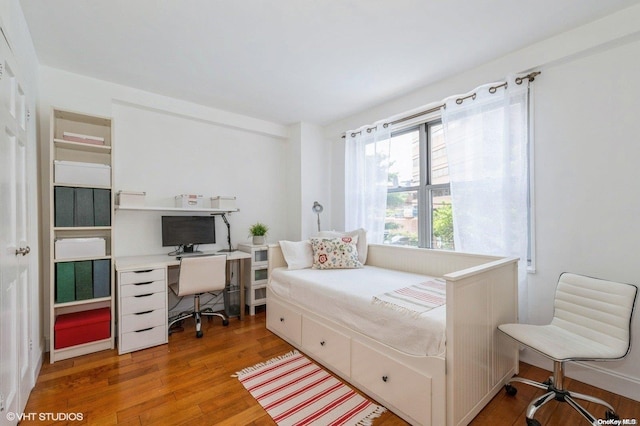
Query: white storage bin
column 223, row 202
column 73, row 248
column 131, row 198
column 77, row 173
column 189, row 201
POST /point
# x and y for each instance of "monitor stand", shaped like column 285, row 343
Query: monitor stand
column 189, row 249
column 229, row 250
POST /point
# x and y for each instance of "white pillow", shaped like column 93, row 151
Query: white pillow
column 361, row 245
column 297, row 254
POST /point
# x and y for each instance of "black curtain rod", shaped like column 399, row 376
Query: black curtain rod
column 530, row 77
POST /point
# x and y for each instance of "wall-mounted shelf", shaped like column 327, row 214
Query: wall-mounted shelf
column 176, row 209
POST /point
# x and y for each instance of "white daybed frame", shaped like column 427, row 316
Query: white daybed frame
column 424, row 390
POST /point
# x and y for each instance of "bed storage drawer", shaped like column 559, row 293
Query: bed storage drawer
column 397, row 384
column 284, row 321
column 327, row 345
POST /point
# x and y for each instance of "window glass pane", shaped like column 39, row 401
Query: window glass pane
column 442, row 219
column 404, row 160
column 439, row 164
column 401, row 222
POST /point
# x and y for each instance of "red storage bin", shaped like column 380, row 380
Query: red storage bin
column 82, row 327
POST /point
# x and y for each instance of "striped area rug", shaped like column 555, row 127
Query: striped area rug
column 296, row 391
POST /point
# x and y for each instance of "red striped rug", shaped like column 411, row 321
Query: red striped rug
column 296, row 391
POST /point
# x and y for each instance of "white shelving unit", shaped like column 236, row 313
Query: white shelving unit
column 257, row 272
column 65, row 150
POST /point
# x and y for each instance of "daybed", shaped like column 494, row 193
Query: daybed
column 450, row 382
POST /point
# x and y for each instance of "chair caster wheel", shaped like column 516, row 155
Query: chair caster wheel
column 533, row 422
column 511, row 390
column 610, row 415
column 225, row 322
column 199, row 334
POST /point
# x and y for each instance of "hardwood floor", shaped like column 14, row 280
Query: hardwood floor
column 189, row 381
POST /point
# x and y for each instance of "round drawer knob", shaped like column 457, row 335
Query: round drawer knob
column 385, row 378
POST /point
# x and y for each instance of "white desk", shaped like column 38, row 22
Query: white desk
column 141, row 328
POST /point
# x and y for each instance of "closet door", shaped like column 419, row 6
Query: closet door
column 15, row 370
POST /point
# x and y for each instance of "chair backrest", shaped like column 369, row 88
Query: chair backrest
column 597, row 309
column 201, row 274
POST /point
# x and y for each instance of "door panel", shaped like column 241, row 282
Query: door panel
column 15, row 369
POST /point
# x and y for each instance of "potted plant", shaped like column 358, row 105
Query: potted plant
column 258, row 231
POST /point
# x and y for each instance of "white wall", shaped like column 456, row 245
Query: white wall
column 586, row 151
column 315, row 179
column 309, row 177
column 587, row 202
column 165, row 155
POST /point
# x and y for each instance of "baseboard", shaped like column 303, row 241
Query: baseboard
column 591, row 374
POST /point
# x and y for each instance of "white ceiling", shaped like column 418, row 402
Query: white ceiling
column 291, row 60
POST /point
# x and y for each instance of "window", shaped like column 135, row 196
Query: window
column 418, row 192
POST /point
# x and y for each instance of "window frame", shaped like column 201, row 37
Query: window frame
column 425, row 188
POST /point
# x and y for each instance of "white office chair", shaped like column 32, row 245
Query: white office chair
column 591, row 322
column 198, row 275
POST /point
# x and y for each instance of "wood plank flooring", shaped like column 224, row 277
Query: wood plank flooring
column 189, row 381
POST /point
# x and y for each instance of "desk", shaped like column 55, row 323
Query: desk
column 145, row 325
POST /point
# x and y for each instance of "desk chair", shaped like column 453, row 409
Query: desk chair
column 591, row 322
column 198, row 275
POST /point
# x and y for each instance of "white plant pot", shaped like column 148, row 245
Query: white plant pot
column 258, row 239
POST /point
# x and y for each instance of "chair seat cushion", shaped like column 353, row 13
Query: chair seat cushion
column 562, row 345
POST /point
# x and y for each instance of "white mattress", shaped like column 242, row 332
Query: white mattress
column 345, row 296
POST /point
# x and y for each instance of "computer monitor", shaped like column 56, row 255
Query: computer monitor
column 186, row 231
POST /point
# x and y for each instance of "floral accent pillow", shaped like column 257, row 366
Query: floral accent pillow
column 335, row 253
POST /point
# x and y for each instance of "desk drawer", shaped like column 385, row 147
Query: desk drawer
column 143, row 320
column 141, row 276
column 135, row 340
column 143, row 302
column 144, row 287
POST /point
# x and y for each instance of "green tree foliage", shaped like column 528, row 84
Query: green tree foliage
column 443, row 225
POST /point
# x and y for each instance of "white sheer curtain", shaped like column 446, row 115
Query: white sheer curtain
column 487, row 142
column 366, row 177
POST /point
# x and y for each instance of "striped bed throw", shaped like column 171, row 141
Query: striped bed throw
column 415, row 299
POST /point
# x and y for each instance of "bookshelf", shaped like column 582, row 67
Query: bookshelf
column 81, row 209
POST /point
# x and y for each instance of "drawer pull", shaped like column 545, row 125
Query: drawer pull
column 385, row 378
column 144, row 329
column 322, row 343
column 144, row 295
column 144, row 283
column 281, row 319
column 143, row 313
column 143, row 272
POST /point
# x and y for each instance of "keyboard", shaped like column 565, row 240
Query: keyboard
column 201, row 254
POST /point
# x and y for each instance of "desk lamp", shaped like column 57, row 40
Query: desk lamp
column 317, row 209
column 229, row 250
